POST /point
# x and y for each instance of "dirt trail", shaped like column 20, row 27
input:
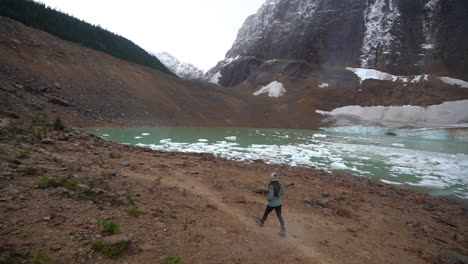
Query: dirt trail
column 180, row 180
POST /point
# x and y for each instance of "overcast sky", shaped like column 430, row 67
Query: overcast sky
column 195, row 31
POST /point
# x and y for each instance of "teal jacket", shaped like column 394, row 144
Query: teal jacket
column 272, row 200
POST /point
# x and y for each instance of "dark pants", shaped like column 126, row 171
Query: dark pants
column 278, row 214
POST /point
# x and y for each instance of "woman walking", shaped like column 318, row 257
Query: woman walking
column 275, row 191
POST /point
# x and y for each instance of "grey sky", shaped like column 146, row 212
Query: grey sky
column 199, row 32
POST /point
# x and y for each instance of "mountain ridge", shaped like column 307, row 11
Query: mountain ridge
column 397, row 36
column 184, row 70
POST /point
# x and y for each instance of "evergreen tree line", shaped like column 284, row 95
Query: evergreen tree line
column 64, row 26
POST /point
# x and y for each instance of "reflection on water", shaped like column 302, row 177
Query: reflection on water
column 433, row 159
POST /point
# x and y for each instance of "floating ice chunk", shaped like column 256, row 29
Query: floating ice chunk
column 398, row 145
column 138, row 137
column 274, row 89
column 105, row 135
column 323, row 85
column 338, row 166
column 319, row 136
column 453, row 81
column 145, row 134
column 165, row 141
column 203, row 140
column 215, row 78
column 232, row 138
column 390, row 182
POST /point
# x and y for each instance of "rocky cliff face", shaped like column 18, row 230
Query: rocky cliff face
column 397, row 36
column 183, row 70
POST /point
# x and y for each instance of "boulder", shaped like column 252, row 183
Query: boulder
column 449, row 257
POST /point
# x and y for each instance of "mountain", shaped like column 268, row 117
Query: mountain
column 295, row 38
column 183, row 70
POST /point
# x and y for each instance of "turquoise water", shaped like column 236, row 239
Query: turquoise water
column 435, row 160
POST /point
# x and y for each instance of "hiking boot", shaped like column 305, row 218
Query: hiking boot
column 259, row 222
column 282, row 233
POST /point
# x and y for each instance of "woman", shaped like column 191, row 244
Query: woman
column 275, row 191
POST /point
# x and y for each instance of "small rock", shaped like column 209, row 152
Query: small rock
column 55, row 248
column 62, row 137
column 160, row 225
column 459, row 238
column 450, row 257
column 47, row 141
column 122, row 201
column 57, row 85
column 97, row 159
column 74, row 167
column 261, row 190
column 124, row 163
column 115, row 239
column 19, row 86
column 343, row 212
column 240, row 199
column 212, row 206
column 59, row 101
column 220, row 229
column 115, row 155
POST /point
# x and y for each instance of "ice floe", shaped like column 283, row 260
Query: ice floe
column 274, row 89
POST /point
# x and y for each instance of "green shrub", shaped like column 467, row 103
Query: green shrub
column 110, row 226
column 23, row 154
column 46, row 182
column 30, row 171
column 41, row 257
column 58, row 124
column 133, row 212
column 4, row 259
column 172, row 260
column 131, row 198
column 111, row 251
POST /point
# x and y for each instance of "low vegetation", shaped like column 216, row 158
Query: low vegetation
column 111, row 251
column 41, row 257
column 30, row 171
column 172, row 260
column 133, row 212
column 110, row 227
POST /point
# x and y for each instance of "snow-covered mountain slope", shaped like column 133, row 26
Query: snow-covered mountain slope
column 183, row 70
column 401, row 37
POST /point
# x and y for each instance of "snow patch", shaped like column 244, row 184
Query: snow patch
column 453, row 81
column 323, row 85
column 274, row 89
column 215, row 78
column 366, row 74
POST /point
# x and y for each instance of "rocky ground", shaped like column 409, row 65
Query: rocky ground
column 57, row 189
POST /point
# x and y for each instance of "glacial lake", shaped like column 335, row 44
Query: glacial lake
column 433, row 160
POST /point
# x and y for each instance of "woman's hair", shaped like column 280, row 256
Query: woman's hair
column 276, row 187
